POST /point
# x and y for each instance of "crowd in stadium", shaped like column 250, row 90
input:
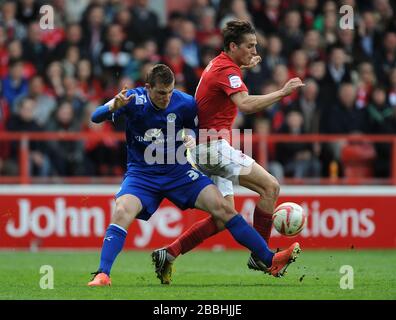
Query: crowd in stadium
column 53, row 79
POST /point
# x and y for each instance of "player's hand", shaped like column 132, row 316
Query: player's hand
column 121, row 100
column 253, row 62
column 292, row 85
column 189, row 141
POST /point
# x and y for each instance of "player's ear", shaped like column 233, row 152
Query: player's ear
column 147, row 86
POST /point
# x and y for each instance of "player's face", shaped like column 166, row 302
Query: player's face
column 246, row 50
column 161, row 94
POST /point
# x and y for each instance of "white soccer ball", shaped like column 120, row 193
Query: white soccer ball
column 289, row 219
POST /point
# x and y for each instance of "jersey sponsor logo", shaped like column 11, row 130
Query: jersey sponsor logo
column 235, row 81
column 171, row 117
column 152, row 133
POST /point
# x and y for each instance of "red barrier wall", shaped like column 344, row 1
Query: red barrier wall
column 47, row 217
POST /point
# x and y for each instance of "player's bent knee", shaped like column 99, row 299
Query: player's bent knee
column 271, row 188
column 123, row 214
column 221, row 210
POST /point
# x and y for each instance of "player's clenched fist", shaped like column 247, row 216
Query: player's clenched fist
column 291, row 85
column 120, row 100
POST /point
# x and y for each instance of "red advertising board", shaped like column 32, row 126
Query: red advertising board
column 69, row 218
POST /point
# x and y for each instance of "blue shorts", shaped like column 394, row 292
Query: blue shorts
column 180, row 185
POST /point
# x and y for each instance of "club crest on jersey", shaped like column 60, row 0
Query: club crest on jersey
column 171, row 117
column 235, row 81
column 141, row 99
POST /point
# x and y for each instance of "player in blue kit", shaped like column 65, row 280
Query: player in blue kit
column 157, row 168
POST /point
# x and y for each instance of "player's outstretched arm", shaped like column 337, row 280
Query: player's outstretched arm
column 255, row 103
column 104, row 112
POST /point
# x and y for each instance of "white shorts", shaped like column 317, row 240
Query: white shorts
column 221, row 162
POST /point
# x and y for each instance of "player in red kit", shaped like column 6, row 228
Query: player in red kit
column 219, row 95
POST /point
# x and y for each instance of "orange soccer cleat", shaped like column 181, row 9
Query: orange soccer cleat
column 282, row 259
column 100, row 280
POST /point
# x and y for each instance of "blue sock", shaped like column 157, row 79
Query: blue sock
column 247, row 236
column 112, row 245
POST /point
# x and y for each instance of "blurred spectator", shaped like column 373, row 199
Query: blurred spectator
column 185, row 77
column 290, row 31
column 307, row 104
column 317, row 71
column 234, row 9
column 13, row 28
column 298, row 159
column 266, row 15
column 101, row 156
column 309, row 8
column 15, row 84
column 298, row 65
column 386, row 13
column 15, row 52
column 69, row 63
column 23, row 121
column 144, row 21
column 381, row 120
column 329, row 7
column 132, row 69
column 115, row 53
column 369, row 35
column 88, row 86
column 197, row 10
column 280, row 76
column 392, row 88
column 93, row 34
column 66, row 156
column 312, row 46
column 273, row 55
column 75, row 9
column 73, row 96
column 4, row 56
column 366, row 82
column 386, row 58
column 337, row 72
column 73, row 39
column 34, row 50
column 190, row 48
column 4, row 145
column 54, row 79
column 28, row 11
column 171, row 29
column 344, row 116
column 208, row 33
column 45, row 104
column 207, row 54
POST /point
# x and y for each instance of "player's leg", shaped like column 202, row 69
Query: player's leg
column 138, row 197
column 211, row 200
column 256, row 178
column 204, row 228
column 127, row 207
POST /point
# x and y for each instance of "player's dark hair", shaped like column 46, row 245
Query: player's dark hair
column 160, row 73
column 234, row 31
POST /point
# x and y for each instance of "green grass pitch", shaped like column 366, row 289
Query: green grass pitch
column 200, row 275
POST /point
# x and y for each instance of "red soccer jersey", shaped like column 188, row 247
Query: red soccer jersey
column 221, row 78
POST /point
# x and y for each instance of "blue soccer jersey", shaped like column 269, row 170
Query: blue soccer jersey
column 157, row 167
column 155, row 136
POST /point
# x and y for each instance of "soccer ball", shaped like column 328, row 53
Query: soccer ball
column 289, row 219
